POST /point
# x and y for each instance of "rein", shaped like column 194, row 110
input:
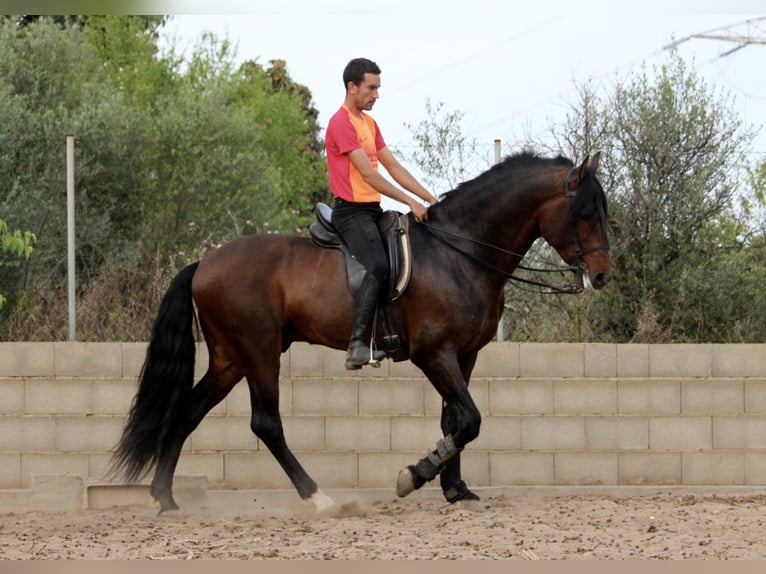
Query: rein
column 550, row 289
column 579, row 264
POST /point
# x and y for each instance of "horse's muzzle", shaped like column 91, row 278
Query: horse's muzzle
column 600, row 279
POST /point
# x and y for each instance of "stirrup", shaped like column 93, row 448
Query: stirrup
column 373, row 359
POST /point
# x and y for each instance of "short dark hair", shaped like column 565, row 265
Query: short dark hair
column 356, row 69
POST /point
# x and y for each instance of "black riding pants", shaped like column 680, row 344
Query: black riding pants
column 357, row 223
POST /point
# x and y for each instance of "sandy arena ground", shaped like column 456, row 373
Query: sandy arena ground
column 671, row 525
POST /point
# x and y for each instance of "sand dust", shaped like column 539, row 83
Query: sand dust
column 673, row 525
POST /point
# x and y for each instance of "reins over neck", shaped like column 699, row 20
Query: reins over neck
column 547, row 288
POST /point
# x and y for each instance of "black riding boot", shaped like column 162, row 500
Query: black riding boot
column 366, row 301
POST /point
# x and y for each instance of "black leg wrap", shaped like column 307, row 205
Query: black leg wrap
column 433, row 463
column 460, row 492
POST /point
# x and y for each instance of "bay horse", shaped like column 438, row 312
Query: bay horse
column 258, row 294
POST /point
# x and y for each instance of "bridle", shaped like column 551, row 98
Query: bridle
column 576, row 264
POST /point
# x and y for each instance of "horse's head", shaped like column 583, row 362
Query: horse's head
column 575, row 224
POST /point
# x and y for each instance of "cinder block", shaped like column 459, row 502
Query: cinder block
column 587, row 396
column 24, row 359
column 261, row 470
column 380, row 469
column 681, row 432
column 712, row 396
column 304, row 360
column 358, row 433
column 58, row 396
column 331, row 470
column 755, row 468
column 113, row 396
column 52, row 463
column 552, row 360
column 133, row 357
column 647, row 396
column 10, row 470
column 497, row 360
column 224, row 434
column 617, row 432
column 585, row 468
column 88, row 359
column 27, row 433
column 109, row 495
column 12, row 391
column 415, row 433
column 498, row 433
column 739, row 432
column 520, row 469
column 632, row 361
column 56, row 492
column 303, row 433
column 601, row 360
column 99, row 467
column 680, row 360
column 552, row 433
column 206, row 464
column 713, row 468
column 520, row 397
column 325, row 397
column 755, row 396
column 742, row 360
column 254, row 470
column 474, row 467
column 87, row 434
column 639, row 468
column 390, row 397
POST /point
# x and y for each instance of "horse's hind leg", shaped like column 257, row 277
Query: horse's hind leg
column 206, row 394
column 266, row 423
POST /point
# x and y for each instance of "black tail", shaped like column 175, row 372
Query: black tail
column 167, row 375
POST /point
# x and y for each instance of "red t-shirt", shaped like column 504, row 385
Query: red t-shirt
column 346, row 133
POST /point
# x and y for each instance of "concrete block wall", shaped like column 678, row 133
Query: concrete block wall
column 553, row 414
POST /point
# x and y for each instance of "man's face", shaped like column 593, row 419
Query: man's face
column 366, row 93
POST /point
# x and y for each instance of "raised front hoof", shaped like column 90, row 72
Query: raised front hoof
column 408, row 482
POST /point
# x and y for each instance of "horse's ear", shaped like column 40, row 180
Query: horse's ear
column 595, row 161
column 579, row 174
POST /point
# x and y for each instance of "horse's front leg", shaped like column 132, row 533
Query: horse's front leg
column 464, row 418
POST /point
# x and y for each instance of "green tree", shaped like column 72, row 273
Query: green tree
column 173, row 156
column 16, row 243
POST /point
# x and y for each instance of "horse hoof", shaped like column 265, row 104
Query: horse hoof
column 405, row 483
column 322, row 503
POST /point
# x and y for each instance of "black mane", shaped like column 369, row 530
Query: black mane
column 519, row 163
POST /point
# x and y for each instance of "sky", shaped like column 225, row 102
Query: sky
column 509, row 67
